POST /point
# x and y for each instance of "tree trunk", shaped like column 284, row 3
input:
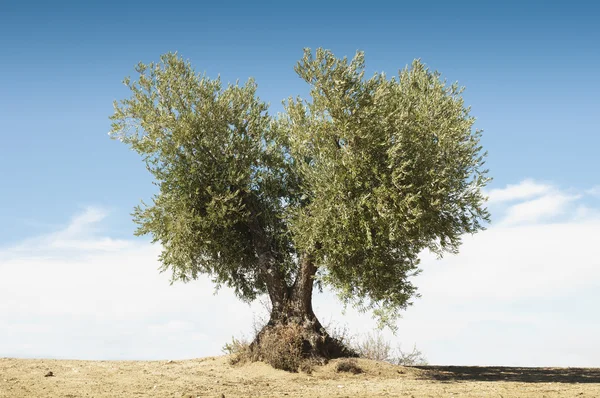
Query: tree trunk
column 272, row 275
column 297, row 301
column 293, row 323
column 293, row 329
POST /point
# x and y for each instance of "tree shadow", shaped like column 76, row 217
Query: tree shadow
column 511, row 374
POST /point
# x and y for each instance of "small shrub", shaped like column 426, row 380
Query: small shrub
column 348, row 366
column 374, row 347
column 281, row 347
column 413, row 358
column 240, row 351
column 235, row 346
column 341, row 334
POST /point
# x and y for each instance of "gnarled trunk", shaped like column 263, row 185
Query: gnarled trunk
column 293, row 329
column 294, row 326
column 297, row 300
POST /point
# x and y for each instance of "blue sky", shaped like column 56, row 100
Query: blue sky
column 531, row 73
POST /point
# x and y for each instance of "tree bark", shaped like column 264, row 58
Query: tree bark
column 291, row 305
column 303, row 286
column 296, row 310
column 297, row 306
column 267, row 263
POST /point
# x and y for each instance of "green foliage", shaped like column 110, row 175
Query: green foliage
column 215, row 160
column 362, row 177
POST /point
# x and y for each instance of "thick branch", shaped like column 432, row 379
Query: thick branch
column 303, row 285
column 267, row 262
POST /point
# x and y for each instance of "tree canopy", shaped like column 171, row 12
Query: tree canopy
column 357, row 180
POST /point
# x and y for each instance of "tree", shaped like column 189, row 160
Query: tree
column 342, row 190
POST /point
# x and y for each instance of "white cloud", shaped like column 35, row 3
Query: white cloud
column 521, row 293
column 75, row 294
column 524, row 190
column 548, row 206
column 514, row 263
column 594, row 191
column 77, row 237
column 584, row 212
column 82, row 222
column 531, row 202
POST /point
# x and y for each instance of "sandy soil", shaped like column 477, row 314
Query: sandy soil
column 215, row 377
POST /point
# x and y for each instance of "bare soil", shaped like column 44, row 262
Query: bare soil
column 215, row 377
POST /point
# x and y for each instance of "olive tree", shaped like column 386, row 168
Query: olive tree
column 344, row 189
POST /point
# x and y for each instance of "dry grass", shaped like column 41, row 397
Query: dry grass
column 374, row 346
column 281, row 347
column 349, row 366
column 214, row 377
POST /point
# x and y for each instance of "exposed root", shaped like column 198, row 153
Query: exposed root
column 290, row 346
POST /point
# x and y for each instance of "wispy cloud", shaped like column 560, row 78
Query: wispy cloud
column 594, row 191
column 78, row 236
column 526, row 189
column 548, row 206
column 531, row 202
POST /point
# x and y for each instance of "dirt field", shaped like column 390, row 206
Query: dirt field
column 214, row 377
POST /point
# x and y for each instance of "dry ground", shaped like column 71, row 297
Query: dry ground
column 214, row 377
